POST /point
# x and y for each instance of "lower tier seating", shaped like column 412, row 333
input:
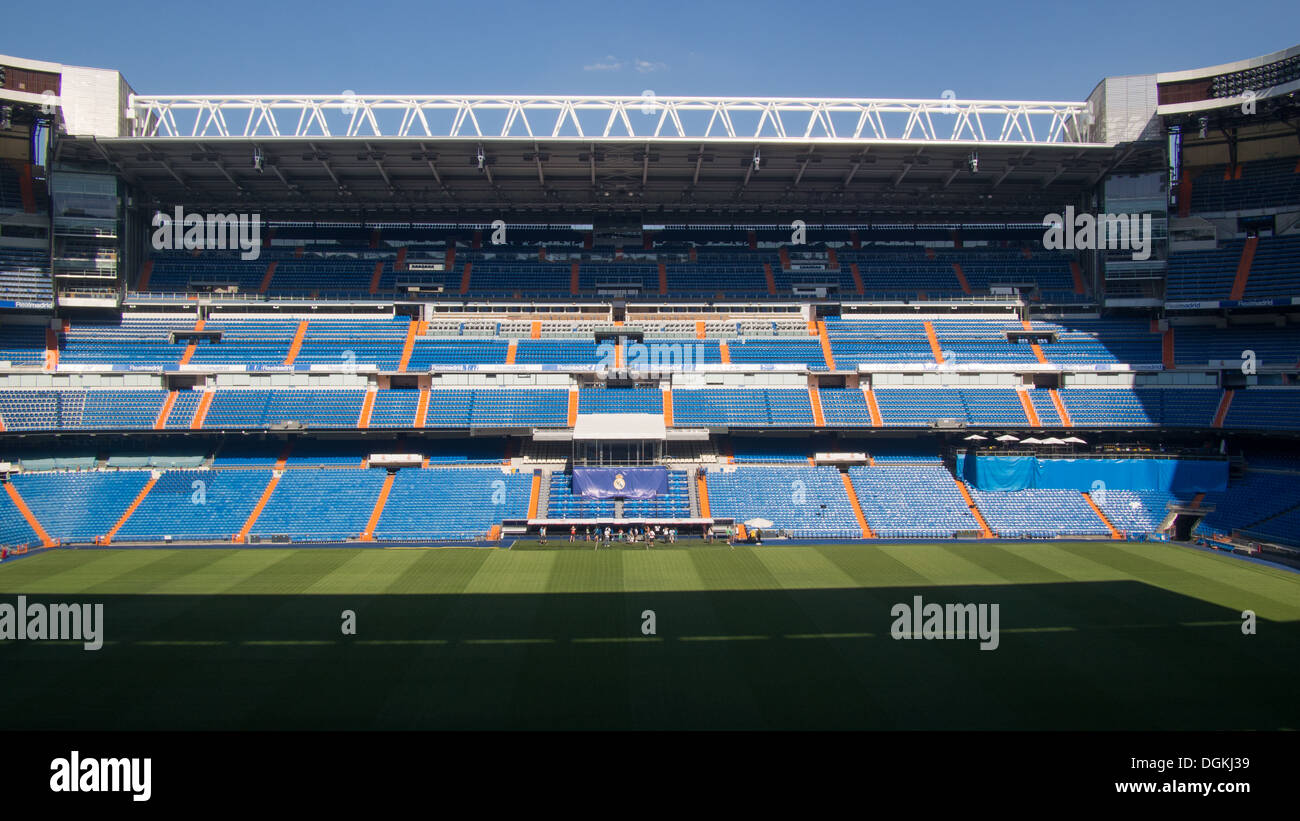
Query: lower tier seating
column 804, row 501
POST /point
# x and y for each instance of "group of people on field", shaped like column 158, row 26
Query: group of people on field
column 632, row 534
column 607, row 535
column 649, row 534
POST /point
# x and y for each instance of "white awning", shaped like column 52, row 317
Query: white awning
column 619, row 426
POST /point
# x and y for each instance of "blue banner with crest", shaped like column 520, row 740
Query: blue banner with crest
column 620, row 483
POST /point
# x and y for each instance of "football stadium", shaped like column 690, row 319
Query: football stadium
column 651, row 411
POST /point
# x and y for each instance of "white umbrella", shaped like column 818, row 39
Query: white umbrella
column 1031, row 441
column 1006, row 437
column 1052, row 440
column 761, row 524
column 1074, row 440
column 975, row 437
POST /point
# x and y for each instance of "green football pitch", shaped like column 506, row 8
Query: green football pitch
column 1096, row 635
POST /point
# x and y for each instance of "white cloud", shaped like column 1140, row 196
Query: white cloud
column 610, row 63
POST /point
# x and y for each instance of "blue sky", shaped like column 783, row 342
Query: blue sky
column 1044, row 50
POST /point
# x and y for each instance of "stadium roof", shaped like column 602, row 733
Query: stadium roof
column 591, row 158
column 679, row 180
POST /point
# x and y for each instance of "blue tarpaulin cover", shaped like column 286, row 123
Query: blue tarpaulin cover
column 625, row 483
column 1020, row 472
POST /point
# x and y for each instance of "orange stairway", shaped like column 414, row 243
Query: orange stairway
column 876, row 420
column 368, row 535
column 161, row 422
column 857, row 279
column 144, row 491
column 268, row 276
column 242, row 535
column 1243, row 268
column 296, row 345
column 1031, row 413
column 27, row 514
column 815, row 399
column 857, row 507
column 934, row 343
column 201, row 412
column 961, row 278
column 534, row 494
column 1114, row 534
column 827, row 353
column 422, row 409
column 189, row 349
column 702, row 495
column 1066, row 421
column 1076, row 274
column 51, row 349
column 1225, row 403
column 408, row 346
column 985, row 531
column 1034, row 346
column 367, row 407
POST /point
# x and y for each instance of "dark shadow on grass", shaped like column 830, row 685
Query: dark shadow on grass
column 1102, row 655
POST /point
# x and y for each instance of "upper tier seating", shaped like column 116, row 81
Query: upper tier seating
column 341, row 269
column 1263, row 184
column 1141, row 407
column 22, row 344
column 1195, row 345
column 620, row 400
column 25, row 275
column 742, row 407
column 1265, row 409
column 324, row 408
column 1209, row 275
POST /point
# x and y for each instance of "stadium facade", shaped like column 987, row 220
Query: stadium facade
column 269, row 318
